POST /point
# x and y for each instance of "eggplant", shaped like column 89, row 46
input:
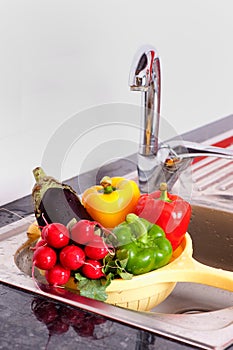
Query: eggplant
column 55, row 202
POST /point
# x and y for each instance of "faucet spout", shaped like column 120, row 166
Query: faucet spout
column 145, row 77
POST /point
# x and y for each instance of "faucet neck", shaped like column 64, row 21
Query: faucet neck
column 145, row 77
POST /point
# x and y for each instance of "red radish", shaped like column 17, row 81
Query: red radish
column 72, row 257
column 83, row 231
column 44, row 258
column 56, row 235
column 40, row 243
column 92, row 269
column 57, row 276
column 96, row 249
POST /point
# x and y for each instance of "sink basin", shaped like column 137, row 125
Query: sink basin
column 211, row 232
column 193, row 313
column 212, row 235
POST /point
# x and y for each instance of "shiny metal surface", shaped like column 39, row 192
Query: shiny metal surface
column 198, row 320
column 173, row 159
column 193, row 314
column 213, row 183
column 145, row 77
column 160, row 162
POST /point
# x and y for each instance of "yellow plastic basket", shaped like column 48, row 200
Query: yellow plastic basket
column 144, row 292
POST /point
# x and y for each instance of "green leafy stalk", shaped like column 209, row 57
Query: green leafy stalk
column 114, row 267
column 94, row 289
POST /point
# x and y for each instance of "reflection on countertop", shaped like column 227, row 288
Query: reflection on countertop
column 31, row 322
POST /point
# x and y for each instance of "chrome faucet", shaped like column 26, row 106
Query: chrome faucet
column 160, row 162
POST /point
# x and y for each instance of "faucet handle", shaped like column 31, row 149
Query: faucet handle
column 171, row 161
column 194, row 149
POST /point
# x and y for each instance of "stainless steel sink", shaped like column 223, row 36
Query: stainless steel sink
column 211, row 229
column 211, row 232
column 194, row 313
column 212, row 235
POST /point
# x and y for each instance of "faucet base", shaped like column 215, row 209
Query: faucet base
column 154, row 169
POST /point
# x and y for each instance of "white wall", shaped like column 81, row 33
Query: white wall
column 59, row 58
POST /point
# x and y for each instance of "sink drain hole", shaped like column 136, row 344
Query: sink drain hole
column 193, row 311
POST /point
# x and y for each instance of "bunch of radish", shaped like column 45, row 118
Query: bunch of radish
column 61, row 251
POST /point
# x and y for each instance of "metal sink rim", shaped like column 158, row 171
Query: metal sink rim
column 164, row 325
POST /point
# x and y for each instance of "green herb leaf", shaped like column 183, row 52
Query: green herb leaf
column 122, row 257
column 125, row 275
column 115, row 265
column 94, row 289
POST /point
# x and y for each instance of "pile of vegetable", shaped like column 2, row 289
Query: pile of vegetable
column 114, row 232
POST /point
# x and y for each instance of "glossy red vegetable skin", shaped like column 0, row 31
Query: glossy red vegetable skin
column 44, row 257
column 96, row 249
column 72, row 257
column 56, row 235
column 92, row 269
column 57, row 276
column 172, row 216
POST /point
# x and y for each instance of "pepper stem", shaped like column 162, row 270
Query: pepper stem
column 163, row 195
column 106, row 183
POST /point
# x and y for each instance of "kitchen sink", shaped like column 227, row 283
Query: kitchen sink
column 211, row 232
column 193, row 313
column 212, row 235
column 196, row 314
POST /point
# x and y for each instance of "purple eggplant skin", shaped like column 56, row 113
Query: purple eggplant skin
column 55, row 202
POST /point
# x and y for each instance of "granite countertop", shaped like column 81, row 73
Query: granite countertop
column 24, row 316
column 22, row 327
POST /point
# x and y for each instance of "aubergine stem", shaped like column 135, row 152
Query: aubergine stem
column 43, row 183
column 39, row 174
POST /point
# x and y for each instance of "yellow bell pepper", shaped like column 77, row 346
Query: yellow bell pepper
column 110, row 202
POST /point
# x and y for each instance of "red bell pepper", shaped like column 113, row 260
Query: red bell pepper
column 169, row 211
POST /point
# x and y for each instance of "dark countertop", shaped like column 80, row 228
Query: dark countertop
column 20, row 328
column 22, row 316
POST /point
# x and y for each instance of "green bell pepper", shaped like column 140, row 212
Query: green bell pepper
column 145, row 243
